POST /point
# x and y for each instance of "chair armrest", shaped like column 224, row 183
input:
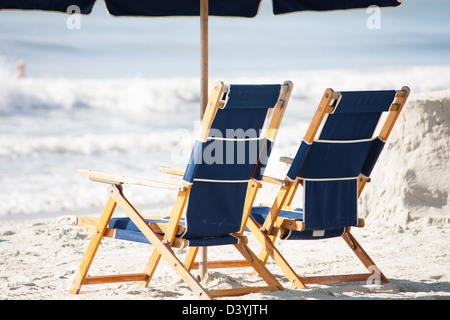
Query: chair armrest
column 265, row 204
column 118, row 180
column 170, row 170
column 286, row 160
column 272, row 180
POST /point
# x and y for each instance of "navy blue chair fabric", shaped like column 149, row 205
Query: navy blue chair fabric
column 125, row 229
column 357, row 115
column 328, row 160
column 220, row 168
column 331, row 164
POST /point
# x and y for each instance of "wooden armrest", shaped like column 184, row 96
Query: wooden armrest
column 170, row 170
column 361, row 223
column 286, row 160
column 90, row 223
column 265, row 204
column 273, row 180
column 90, row 227
column 117, row 180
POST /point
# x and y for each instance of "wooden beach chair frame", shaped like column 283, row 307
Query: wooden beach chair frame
column 274, row 226
column 164, row 237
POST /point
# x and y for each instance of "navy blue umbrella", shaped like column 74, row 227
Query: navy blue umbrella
column 161, row 8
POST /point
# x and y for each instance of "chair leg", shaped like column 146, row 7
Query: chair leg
column 271, row 281
column 377, row 275
column 259, row 267
column 93, row 246
column 151, row 267
column 163, row 248
column 270, row 249
column 190, row 257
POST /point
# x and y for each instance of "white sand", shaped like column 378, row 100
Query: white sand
column 407, row 214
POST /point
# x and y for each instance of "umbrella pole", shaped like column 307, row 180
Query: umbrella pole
column 203, row 56
column 203, row 264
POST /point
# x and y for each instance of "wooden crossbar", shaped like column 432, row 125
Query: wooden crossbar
column 241, row 291
column 116, row 278
column 224, row 264
column 90, row 223
column 336, row 278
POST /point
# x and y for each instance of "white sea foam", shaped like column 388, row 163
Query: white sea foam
column 51, row 127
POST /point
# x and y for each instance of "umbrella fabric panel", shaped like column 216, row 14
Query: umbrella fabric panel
column 48, row 5
column 158, row 8
column 286, row 6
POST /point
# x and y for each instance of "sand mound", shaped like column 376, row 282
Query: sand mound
column 411, row 181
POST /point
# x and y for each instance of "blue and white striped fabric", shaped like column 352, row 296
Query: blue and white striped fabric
column 221, row 167
column 331, row 165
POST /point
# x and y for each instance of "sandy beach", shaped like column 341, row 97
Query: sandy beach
column 407, row 233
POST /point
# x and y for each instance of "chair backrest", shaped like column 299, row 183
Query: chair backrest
column 331, row 164
column 234, row 152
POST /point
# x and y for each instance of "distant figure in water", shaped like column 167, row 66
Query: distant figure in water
column 20, row 69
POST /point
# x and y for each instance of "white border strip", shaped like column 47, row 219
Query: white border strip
column 328, row 179
column 225, row 181
column 345, row 141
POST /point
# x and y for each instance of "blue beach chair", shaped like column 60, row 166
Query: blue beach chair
column 217, row 191
column 333, row 170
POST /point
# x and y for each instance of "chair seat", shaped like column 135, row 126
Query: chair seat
column 125, row 229
column 259, row 214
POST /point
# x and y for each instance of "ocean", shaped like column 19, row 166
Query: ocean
column 121, row 95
